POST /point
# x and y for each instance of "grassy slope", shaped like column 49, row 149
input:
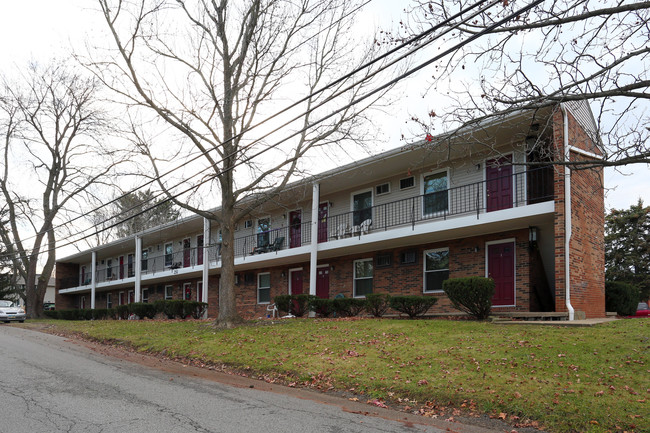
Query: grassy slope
column 569, row 379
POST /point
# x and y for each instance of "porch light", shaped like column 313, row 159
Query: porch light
column 532, row 237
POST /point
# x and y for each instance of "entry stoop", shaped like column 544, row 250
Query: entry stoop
column 530, row 316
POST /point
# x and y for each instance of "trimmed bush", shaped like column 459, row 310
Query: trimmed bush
column 142, row 310
column 348, row 307
column 99, row 313
column 413, row 306
column 377, row 303
column 283, row 303
column 621, row 297
column 301, row 304
column 194, row 308
column 73, row 314
column 51, row 314
column 321, row 306
column 122, row 312
column 473, row 295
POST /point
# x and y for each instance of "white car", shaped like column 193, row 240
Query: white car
column 9, row 311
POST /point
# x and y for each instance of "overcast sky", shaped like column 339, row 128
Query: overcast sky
column 40, row 29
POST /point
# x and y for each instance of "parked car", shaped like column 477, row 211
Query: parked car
column 9, row 311
column 48, row 306
column 642, row 310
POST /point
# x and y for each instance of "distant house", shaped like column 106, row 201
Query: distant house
column 400, row 222
column 50, row 293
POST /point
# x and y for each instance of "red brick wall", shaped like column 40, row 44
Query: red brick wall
column 587, row 254
column 398, row 279
column 67, row 275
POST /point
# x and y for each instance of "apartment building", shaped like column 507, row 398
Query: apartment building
column 482, row 202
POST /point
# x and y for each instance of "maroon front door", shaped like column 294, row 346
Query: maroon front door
column 121, row 267
column 501, row 268
column 187, row 288
column 186, row 252
column 323, row 282
column 131, row 296
column 498, row 177
column 296, row 282
column 295, row 228
column 322, row 222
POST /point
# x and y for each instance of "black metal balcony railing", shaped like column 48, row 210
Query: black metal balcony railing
column 529, row 187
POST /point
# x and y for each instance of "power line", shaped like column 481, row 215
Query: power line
column 356, row 101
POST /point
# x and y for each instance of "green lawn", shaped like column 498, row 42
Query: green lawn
column 561, row 379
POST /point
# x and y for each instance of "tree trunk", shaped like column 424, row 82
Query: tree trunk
column 228, row 314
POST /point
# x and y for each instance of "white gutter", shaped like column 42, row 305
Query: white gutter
column 567, row 214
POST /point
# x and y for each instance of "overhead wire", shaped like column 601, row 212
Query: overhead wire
column 356, row 101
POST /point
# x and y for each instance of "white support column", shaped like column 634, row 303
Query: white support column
column 206, row 262
column 93, row 279
column 313, row 259
column 138, row 267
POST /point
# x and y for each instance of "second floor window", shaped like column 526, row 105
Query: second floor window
column 435, row 194
column 169, row 254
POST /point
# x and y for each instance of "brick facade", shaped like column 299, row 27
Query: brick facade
column 587, row 248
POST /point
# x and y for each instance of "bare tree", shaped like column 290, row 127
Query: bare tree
column 211, row 70
column 51, row 153
column 558, row 51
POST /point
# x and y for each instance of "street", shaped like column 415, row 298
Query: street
column 50, row 384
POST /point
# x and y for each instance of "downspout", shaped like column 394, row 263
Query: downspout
column 567, row 214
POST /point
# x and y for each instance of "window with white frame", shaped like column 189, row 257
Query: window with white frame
column 384, row 188
column 145, row 296
column 169, row 292
column 264, row 288
column 363, row 273
column 169, row 254
column 109, row 301
column 435, row 190
column 144, row 264
column 436, row 269
column 407, row 182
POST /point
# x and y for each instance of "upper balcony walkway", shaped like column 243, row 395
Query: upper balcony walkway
column 505, row 192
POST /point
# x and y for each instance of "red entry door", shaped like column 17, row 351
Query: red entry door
column 187, row 289
column 295, row 229
column 131, row 296
column 322, row 221
column 186, row 252
column 498, row 176
column 121, row 267
column 296, row 282
column 501, row 268
column 323, row 282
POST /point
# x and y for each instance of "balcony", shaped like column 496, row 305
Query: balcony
column 514, row 190
column 522, row 189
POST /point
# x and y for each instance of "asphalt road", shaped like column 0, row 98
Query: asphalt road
column 49, row 384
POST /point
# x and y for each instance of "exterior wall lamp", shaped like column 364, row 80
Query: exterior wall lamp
column 532, row 237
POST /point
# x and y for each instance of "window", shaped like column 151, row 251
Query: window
column 263, row 235
column 84, row 281
column 264, row 288
column 408, row 257
column 109, row 300
column 145, row 296
column 199, row 250
column 248, row 224
column 129, row 260
column 168, row 292
column 144, row 265
column 109, row 269
column 362, row 277
column 435, row 193
column 199, row 291
column 384, row 188
column 169, row 254
column 436, row 269
column 383, row 260
column 361, row 207
column 407, row 182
